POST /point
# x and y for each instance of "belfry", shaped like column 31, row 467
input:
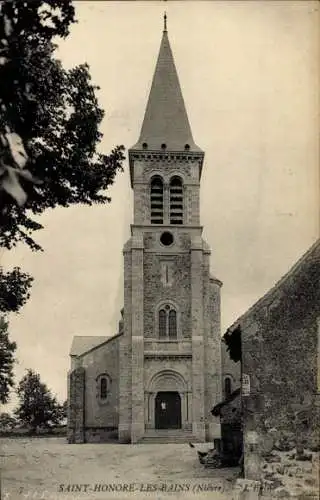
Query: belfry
column 160, row 375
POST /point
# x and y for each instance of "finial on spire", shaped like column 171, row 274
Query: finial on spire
column 165, row 22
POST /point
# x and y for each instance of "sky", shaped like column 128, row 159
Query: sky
column 249, row 73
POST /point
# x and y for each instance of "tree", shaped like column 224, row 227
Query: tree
column 49, row 124
column 7, row 350
column 37, row 406
column 7, row 422
column 63, row 412
column 232, row 339
column 14, row 289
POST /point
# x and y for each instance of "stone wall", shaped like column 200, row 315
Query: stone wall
column 156, row 291
column 181, row 365
column 103, row 360
column 279, row 355
column 137, row 339
column 212, row 348
column 187, row 168
column 101, row 434
column 186, row 286
column 229, row 369
column 90, row 418
column 125, row 352
column 76, row 405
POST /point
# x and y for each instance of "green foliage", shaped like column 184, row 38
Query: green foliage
column 7, row 350
column 37, row 406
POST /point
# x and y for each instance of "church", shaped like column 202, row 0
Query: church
column 158, row 377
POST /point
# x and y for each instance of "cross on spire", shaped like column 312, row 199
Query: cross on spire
column 165, row 22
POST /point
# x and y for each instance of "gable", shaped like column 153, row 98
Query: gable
column 82, row 344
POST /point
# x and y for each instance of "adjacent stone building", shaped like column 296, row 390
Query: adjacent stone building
column 161, row 374
column 280, row 345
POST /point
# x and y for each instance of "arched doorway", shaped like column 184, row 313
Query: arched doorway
column 168, row 410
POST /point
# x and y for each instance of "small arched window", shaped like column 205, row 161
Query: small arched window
column 103, row 387
column 156, row 200
column 227, row 387
column 176, row 201
column 168, row 323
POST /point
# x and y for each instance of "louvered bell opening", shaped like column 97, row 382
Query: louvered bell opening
column 162, row 323
column 176, row 201
column 172, row 324
column 156, row 201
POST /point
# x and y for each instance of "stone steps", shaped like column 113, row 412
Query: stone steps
column 170, row 436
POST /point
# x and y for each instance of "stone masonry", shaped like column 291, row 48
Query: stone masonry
column 167, row 373
column 280, row 339
column 76, row 398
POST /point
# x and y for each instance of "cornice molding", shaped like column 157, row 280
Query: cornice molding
column 167, row 156
column 167, row 356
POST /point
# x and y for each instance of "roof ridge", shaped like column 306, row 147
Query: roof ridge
column 280, row 282
column 78, row 347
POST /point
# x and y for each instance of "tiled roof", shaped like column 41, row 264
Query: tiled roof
column 82, row 344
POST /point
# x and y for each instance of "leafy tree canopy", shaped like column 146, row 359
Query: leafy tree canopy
column 7, row 350
column 37, row 406
column 14, row 289
column 49, row 125
column 7, row 421
column 233, row 341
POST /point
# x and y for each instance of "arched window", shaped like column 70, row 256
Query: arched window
column 103, row 387
column 156, row 200
column 176, row 201
column 227, row 387
column 167, row 323
column 172, row 324
column 162, row 323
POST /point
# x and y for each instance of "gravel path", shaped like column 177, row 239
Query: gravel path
column 49, row 468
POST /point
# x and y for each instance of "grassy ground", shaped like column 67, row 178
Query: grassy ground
column 49, row 468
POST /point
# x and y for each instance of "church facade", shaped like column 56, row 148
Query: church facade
column 161, row 374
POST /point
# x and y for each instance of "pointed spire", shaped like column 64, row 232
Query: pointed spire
column 166, row 124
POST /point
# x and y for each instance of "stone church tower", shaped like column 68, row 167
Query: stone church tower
column 160, row 375
column 169, row 353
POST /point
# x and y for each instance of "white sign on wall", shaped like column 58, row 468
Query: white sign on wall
column 245, row 384
column 252, row 437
